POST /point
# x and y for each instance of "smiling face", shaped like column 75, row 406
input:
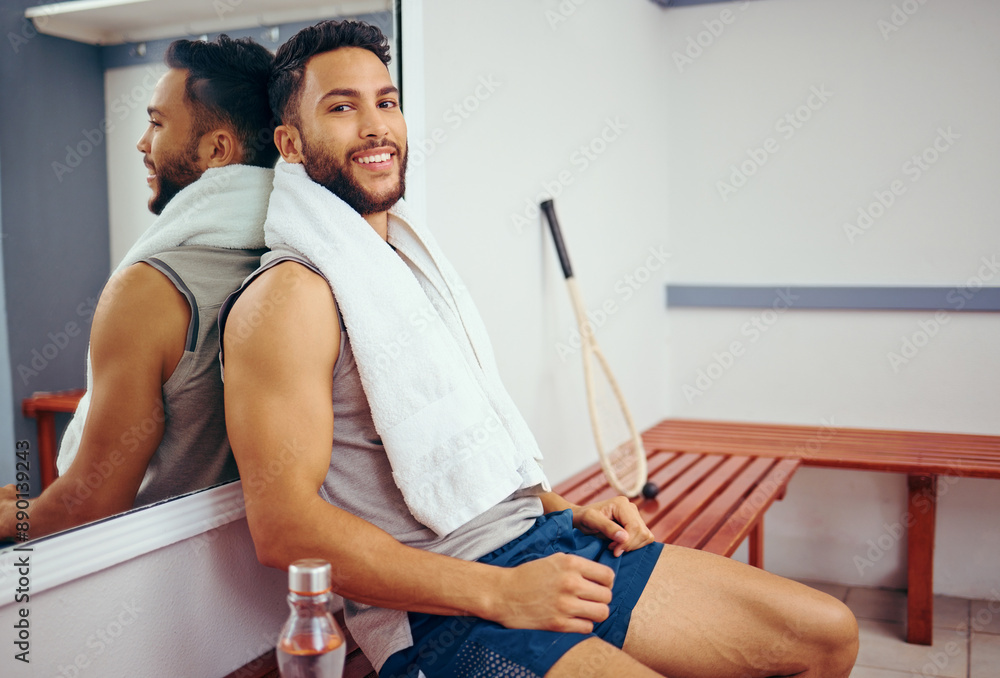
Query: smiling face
column 349, row 132
column 169, row 146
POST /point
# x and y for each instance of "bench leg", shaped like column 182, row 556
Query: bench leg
column 920, row 559
column 756, row 556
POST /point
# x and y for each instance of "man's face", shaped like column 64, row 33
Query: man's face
column 169, row 147
column 352, row 130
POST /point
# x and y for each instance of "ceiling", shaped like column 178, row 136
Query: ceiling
column 112, row 22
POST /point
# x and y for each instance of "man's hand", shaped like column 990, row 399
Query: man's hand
column 617, row 519
column 8, row 512
column 561, row 592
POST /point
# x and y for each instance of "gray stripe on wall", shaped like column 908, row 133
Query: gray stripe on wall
column 959, row 298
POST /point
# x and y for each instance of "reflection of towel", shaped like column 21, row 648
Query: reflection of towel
column 225, row 207
column 456, row 441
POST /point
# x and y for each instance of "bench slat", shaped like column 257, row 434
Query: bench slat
column 702, row 528
column 667, row 527
column 771, row 487
column 782, row 436
column 866, row 449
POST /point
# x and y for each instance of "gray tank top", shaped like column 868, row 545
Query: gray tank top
column 360, row 481
column 194, row 452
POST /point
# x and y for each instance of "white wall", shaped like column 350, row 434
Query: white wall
column 892, row 91
column 127, row 93
column 558, row 83
column 882, row 101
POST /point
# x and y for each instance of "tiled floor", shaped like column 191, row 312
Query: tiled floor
column 966, row 636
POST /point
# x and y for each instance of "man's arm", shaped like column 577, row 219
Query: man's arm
column 137, row 339
column 617, row 518
column 281, row 344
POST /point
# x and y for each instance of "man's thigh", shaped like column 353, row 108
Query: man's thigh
column 706, row 615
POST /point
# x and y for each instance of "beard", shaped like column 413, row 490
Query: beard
column 337, row 177
column 173, row 173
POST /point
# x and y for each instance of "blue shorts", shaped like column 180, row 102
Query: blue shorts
column 454, row 647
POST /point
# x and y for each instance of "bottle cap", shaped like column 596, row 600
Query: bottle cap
column 309, row 576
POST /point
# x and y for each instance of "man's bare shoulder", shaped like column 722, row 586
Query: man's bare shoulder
column 140, row 310
column 281, row 304
column 140, row 288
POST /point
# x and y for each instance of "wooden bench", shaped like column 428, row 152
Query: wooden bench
column 43, row 406
column 707, row 501
column 922, row 456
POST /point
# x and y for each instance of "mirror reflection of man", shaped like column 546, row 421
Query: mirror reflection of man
column 351, row 406
column 152, row 423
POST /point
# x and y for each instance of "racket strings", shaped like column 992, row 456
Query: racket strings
column 617, row 442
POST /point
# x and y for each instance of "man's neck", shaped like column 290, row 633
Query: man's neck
column 380, row 222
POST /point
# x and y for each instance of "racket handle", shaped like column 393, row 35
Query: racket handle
column 550, row 214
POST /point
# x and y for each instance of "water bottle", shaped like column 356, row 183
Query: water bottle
column 311, row 644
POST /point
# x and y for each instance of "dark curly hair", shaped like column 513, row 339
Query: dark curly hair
column 289, row 67
column 227, row 87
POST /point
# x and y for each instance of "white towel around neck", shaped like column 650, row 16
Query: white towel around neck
column 224, row 208
column 455, row 440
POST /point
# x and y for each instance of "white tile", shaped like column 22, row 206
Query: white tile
column 883, row 645
column 984, row 659
column 951, row 613
column 877, row 604
column 986, row 616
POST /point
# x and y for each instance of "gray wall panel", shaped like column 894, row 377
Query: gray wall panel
column 54, row 222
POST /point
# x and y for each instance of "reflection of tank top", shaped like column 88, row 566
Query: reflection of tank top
column 360, row 481
column 194, row 452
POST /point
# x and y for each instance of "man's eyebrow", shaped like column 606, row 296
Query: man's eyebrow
column 356, row 94
column 341, row 92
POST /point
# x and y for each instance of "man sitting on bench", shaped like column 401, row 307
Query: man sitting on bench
column 355, row 336
column 151, row 425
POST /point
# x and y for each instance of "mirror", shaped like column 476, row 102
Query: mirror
column 63, row 146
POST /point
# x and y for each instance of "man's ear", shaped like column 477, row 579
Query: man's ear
column 219, row 148
column 289, row 143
